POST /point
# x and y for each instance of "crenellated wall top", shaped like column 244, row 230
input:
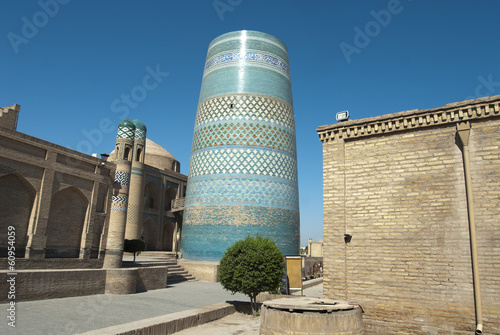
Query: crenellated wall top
column 468, row 110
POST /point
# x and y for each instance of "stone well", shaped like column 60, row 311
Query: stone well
column 310, row 316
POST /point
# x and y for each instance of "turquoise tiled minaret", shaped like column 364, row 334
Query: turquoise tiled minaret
column 243, row 169
column 136, row 191
column 119, row 204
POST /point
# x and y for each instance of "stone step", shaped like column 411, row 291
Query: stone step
column 129, row 264
column 158, row 254
column 175, row 273
column 179, row 273
column 175, row 268
column 171, row 279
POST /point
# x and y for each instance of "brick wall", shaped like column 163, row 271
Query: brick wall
column 56, row 198
column 401, row 195
column 8, row 116
column 61, row 283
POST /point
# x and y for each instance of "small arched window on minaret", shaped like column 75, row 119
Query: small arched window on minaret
column 138, row 156
column 126, row 153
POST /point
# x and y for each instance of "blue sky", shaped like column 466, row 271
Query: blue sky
column 72, row 64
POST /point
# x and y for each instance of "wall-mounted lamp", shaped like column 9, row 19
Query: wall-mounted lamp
column 347, row 238
column 104, row 158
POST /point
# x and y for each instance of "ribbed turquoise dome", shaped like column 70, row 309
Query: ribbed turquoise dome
column 140, row 130
column 126, row 123
column 126, row 129
column 139, row 125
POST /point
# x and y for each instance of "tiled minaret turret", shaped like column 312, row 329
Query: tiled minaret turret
column 243, row 168
column 118, row 215
column 136, row 191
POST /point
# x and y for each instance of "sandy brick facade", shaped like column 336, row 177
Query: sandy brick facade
column 56, row 198
column 396, row 184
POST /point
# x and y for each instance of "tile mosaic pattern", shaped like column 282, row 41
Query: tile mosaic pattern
column 122, row 178
column 248, row 161
column 140, row 134
column 119, row 203
column 256, row 80
column 133, row 212
column 155, row 179
column 168, row 184
column 245, row 107
column 252, row 40
column 150, row 216
column 242, row 190
column 248, row 134
column 212, row 229
column 235, row 58
column 126, row 132
column 137, row 171
column 243, row 168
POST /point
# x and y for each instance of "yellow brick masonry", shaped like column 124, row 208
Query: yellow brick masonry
column 48, row 169
column 396, row 183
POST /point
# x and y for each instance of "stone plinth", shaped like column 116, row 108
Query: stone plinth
column 310, row 316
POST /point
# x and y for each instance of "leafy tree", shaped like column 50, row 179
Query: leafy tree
column 134, row 246
column 251, row 266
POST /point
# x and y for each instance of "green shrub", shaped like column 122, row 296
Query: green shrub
column 251, row 266
column 134, row 246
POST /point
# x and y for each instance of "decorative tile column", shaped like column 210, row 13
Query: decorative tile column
column 136, row 193
column 119, row 204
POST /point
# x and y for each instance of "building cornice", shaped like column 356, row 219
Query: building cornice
column 468, row 110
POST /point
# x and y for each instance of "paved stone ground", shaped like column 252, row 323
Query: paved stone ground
column 234, row 324
column 241, row 324
column 67, row 316
column 75, row 315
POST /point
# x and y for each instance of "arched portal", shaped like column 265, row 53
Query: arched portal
column 16, row 204
column 151, row 196
column 149, row 234
column 170, row 194
column 168, row 236
column 68, row 211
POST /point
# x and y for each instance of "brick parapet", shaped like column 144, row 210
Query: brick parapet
column 468, row 110
column 49, row 155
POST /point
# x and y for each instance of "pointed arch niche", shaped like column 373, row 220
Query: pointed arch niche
column 17, row 198
column 170, row 194
column 167, row 241
column 151, row 196
column 149, row 234
column 68, row 211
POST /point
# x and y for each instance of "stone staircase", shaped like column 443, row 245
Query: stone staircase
column 176, row 272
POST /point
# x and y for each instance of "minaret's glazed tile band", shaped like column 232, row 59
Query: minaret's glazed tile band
column 243, row 169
